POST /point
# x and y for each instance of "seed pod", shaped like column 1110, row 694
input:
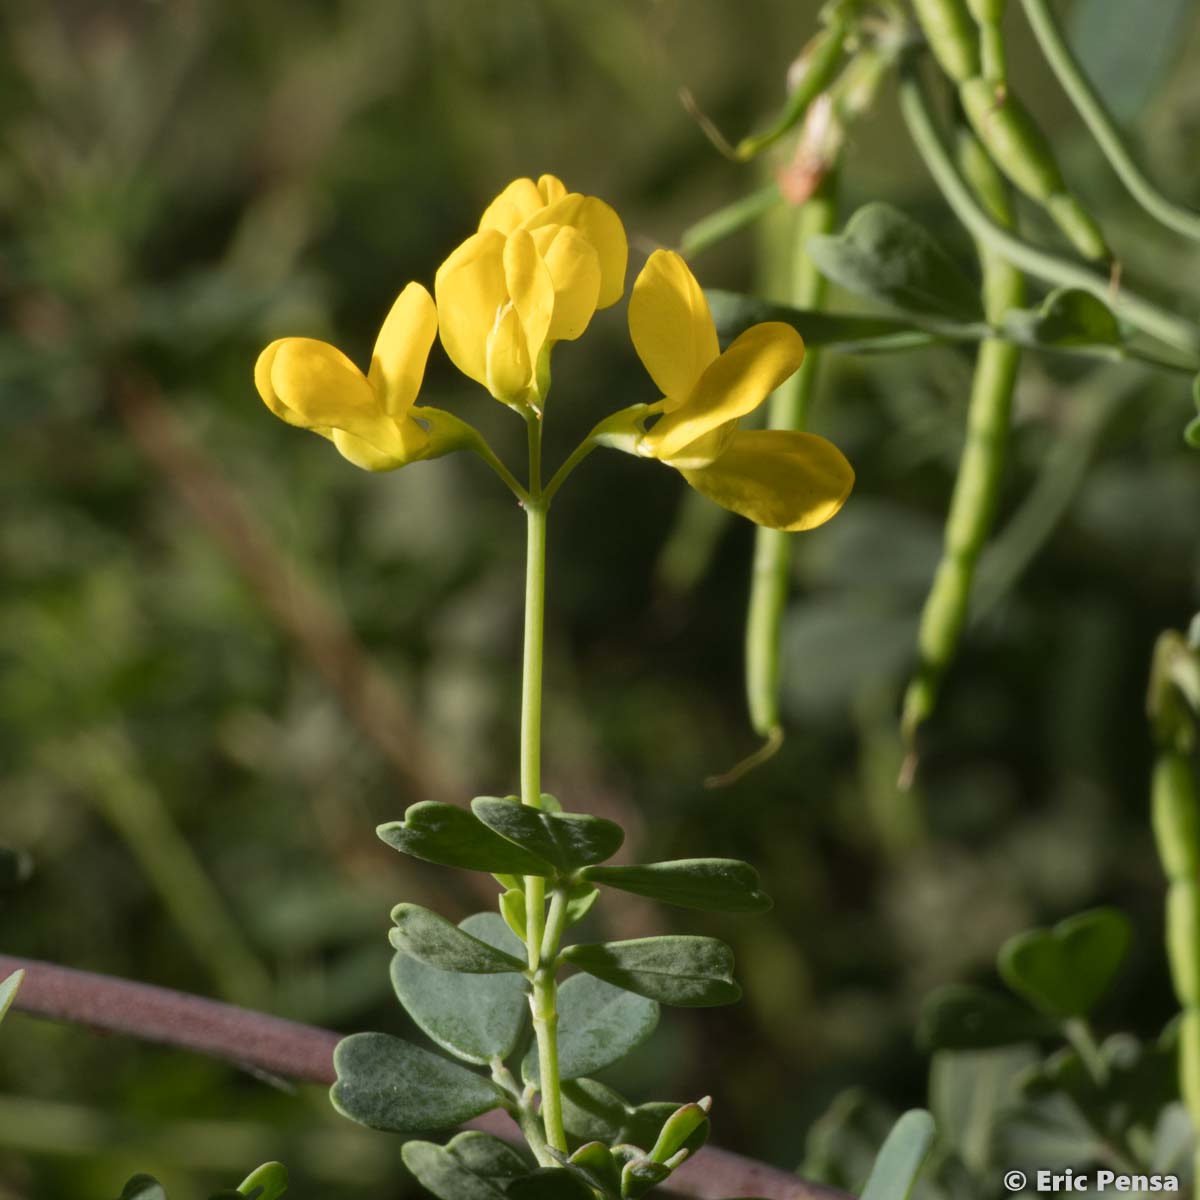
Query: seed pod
column 1183, row 940
column 952, row 36
column 1021, row 151
column 1175, row 813
column 973, row 502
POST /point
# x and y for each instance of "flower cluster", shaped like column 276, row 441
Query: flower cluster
column 540, row 265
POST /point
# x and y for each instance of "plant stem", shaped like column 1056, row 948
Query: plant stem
column 788, row 410
column 541, row 937
column 1061, row 272
column 1098, row 119
column 544, row 1003
column 1079, row 1034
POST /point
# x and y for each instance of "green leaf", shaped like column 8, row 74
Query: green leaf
column 594, row 1162
column 1191, row 434
column 143, row 1187
column 1066, row 969
column 962, row 1017
column 1067, row 317
column 268, row 1182
column 8, row 991
column 640, row 1175
column 686, row 1129
column 849, row 333
column 581, row 896
column 434, row 940
column 900, row 1158
column 692, row 972
column 389, row 1084
column 594, row 1112
column 475, row 1017
column 453, row 837
column 885, row 255
column 720, row 884
column 597, row 1024
column 566, row 840
column 550, row 1183
column 471, row 1166
column 512, row 909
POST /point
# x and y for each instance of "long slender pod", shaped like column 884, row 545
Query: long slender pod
column 1090, row 106
column 1000, row 120
column 1175, row 813
column 788, row 410
column 973, row 503
column 1173, row 705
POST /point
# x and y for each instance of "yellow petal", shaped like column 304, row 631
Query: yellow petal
column 778, row 478
column 319, row 387
column 575, row 272
column 509, row 364
column 470, row 290
column 394, row 444
column 597, row 222
column 753, row 366
column 519, row 201
column 530, row 289
column 262, row 381
column 402, row 348
column 671, row 326
column 551, row 188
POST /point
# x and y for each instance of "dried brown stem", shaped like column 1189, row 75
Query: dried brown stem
column 305, row 1053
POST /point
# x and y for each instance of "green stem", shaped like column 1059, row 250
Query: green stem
column 1061, row 272
column 489, row 456
column 560, row 476
column 544, row 1004
column 541, row 936
column 1098, row 119
column 788, row 410
column 1079, row 1033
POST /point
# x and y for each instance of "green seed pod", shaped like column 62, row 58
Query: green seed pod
column 1018, row 146
column 1175, row 812
column 1079, row 226
column 1183, row 941
column 1189, row 1063
column 950, row 31
column 973, row 503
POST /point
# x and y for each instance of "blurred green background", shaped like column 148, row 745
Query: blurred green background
column 226, row 655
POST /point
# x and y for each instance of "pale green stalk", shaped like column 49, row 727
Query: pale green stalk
column 1090, row 106
column 1061, row 272
column 541, row 937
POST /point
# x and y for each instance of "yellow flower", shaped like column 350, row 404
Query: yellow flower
column 371, row 418
column 542, row 262
column 778, row 478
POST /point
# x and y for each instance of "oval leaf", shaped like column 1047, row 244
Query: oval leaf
column 1065, row 970
column 143, row 1187
column 475, row 1017
column 597, row 1024
column 550, row 1183
column 692, row 972
column 389, row 1084
column 434, row 940
column 567, row 840
column 594, row 1112
column 901, row 1157
column 268, row 1182
column 1067, row 317
column 961, row 1017
column 471, row 1166
column 885, row 255
column 718, row 884
column 453, row 837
